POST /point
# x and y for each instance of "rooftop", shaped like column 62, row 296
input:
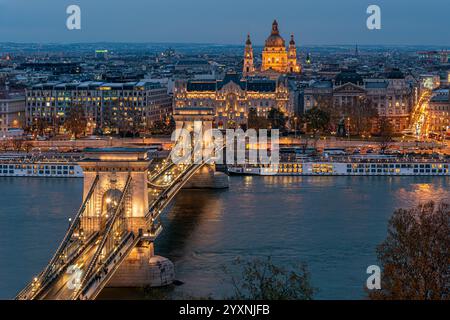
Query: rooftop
column 348, row 76
column 376, row 84
column 441, row 96
column 256, row 85
column 115, row 154
column 395, row 74
column 93, row 85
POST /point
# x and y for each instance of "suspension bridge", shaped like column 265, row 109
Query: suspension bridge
column 110, row 238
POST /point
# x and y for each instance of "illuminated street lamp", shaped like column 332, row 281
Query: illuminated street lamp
column 348, row 130
column 295, row 127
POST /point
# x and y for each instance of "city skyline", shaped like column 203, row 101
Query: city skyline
column 403, row 23
column 233, row 151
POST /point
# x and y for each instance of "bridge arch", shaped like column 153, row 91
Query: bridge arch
column 110, row 200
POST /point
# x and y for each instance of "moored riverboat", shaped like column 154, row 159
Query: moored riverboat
column 350, row 167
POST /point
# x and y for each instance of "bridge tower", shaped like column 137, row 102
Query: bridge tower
column 113, row 167
column 190, row 118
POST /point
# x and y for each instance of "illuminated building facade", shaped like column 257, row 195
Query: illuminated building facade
column 12, row 114
column 392, row 96
column 107, row 106
column 439, row 112
column 233, row 97
column 275, row 56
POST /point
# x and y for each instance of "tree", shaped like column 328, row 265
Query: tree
column 17, row 144
column 263, row 280
column 4, row 145
column 254, row 121
column 76, row 120
column 27, row 146
column 415, row 255
column 386, row 132
column 325, row 103
column 171, row 124
column 164, row 127
column 276, row 119
column 39, row 126
column 304, row 143
column 362, row 115
column 316, row 120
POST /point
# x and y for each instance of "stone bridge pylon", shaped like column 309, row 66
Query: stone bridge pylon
column 113, row 167
column 200, row 118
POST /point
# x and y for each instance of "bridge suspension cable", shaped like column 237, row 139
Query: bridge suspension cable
column 54, row 266
column 113, row 226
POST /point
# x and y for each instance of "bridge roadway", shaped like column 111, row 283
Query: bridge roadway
column 62, row 289
column 64, row 286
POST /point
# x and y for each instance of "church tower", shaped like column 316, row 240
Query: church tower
column 293, row 65
column 248, row 58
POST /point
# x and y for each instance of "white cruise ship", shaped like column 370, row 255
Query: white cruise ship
column 387, row 167
column 41, row 166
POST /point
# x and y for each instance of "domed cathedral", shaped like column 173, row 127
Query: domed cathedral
column 275, row 57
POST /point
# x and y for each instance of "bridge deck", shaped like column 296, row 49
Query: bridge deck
column 62, row 288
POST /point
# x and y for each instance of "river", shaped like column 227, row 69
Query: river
column 333, row 224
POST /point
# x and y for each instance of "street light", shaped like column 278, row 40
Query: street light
column 295, row 127
column 348, row 130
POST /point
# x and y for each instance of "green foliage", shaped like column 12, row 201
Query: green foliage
column 76, row 121
column 386, row 132
column 264, row 280
column 277, row 119
column 316, row 119
column 165, row 127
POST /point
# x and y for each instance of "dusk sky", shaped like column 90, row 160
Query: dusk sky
column 313, row 22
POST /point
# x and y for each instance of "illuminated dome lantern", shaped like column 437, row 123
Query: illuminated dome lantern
column 275, row 40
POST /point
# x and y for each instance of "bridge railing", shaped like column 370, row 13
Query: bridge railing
column 99, row 279
column 40, row 282
column 169, row 192
column 168, row 163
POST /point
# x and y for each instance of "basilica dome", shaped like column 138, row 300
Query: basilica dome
column 275, row 40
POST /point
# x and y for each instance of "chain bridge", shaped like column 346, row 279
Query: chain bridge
column 110, row 238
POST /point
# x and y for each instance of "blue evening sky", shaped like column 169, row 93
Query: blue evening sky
column 321, row 22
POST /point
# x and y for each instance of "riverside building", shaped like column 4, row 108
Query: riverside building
column 12, row 114
column 107, row 106
column 232, row 97
column 392, row 96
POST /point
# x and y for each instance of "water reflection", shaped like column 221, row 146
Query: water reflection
column 193, row 215
column 34, row 216
column 423, row 192
column 332, row 223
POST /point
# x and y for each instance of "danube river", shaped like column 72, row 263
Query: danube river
column 333, row 224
